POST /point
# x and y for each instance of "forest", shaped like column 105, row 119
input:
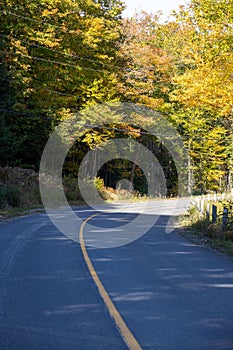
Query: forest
column 59, row 57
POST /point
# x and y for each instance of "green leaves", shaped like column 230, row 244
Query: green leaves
column 59, row 57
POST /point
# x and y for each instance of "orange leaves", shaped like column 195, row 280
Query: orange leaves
column 148, row 65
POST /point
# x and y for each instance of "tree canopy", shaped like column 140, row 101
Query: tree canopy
column 61, row 56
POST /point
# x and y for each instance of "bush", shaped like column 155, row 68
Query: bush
column 71, row 189
column 19, row 188
column 99, row 183
column 2, row 196
column 12, row 195
column 9, row 195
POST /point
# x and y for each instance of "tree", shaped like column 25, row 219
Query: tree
column 147, row 73
column 59, row 58
column 203, row 87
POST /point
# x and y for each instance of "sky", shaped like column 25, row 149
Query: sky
column 152, row 6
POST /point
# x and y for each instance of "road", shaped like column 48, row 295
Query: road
column 171, row 294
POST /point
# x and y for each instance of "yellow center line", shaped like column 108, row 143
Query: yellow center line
column 125, row 332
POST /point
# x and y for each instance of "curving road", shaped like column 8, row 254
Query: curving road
column 172, row 294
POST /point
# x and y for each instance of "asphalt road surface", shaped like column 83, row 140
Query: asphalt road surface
column 172, row 294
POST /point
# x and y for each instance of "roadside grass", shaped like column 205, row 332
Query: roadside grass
column 201, row 231
column 14, row 212
column 18, row 200
column 222, row 245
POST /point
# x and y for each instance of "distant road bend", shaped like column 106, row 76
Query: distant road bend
column 157, row 292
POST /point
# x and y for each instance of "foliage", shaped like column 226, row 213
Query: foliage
column 19, row 188
column 200, row 229
column 148, row 65
column 58, row 57
column 201, row 98
column 71, row 189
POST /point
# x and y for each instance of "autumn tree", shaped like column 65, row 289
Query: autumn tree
column 60, row 56
column 147, row 72
column 202, row 88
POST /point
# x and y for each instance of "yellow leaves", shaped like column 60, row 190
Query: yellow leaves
column 64, row 114
column 96, row 137
column 49, row 12
column 207, row 85
column 47, row 38
column 18, row 46
column 153, row 103
column 93, row 36
column 206, row 80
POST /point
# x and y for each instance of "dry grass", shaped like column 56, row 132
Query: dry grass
column 200, row 230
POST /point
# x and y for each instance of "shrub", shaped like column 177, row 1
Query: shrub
column 9, row 195
column 19, row 188
column 2, row 196
column 99, row 183
column 12, row 194
column 71, row 189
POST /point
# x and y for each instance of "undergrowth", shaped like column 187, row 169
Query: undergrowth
column 214, row 234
